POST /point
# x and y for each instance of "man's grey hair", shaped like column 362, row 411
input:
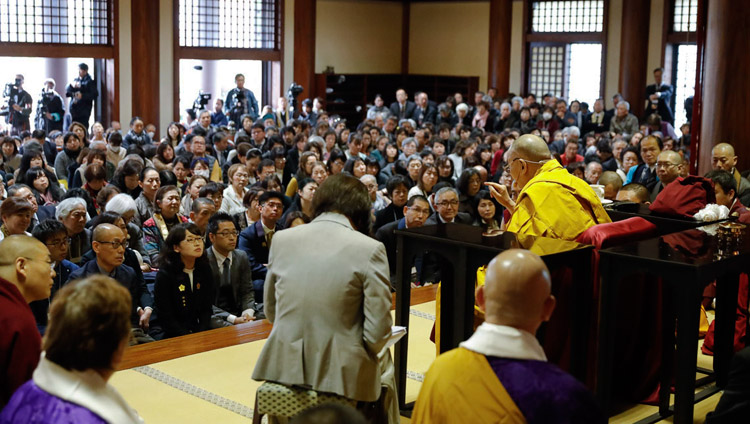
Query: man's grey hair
column 573, row 130
column 487, row 98
column 408, row 140
column 410, row 121
column 624, row 103
column 505, row 105
column 65, row 207
column 367, row 177
column 444, row 190
column 518, row 99
column 121, row 203
column 463, row 106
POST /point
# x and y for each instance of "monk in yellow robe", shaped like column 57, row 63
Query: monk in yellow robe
column 551, row 202
column 501, row 374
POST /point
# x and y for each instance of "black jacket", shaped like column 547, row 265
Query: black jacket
column 408, row 112
column 183, row 310
column 80, row 109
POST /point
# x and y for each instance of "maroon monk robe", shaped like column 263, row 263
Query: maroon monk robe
column 20, row 342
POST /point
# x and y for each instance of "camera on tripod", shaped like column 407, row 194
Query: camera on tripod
column 10, row 92
column 201, row 101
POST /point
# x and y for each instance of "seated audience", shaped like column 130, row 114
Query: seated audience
column 398, row 189
column 109, row 245
column 16, row 216
column 612, row 184
column 726, row 194
column 53, row 235
column 635, row 193
column 489, row 213
column 184, row 289
column 645, row 173
column 191, row 192
column 22, row 191
column 25, row 276
column 593, row 172
column 501, row 373
column 150, row 183
column 723, row 157
column 251, row 212
column 234, row 301
column 446, row 209
column 203, row 209
column 351, row 312
column 72, row 213
column 235, row 192
column 85, row 342
column 669, row 166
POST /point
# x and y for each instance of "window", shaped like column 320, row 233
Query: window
column 564, row 48
column 247, row 24
column 567, row 16
column 56, row 21
column 684, row 86
column 685, row 16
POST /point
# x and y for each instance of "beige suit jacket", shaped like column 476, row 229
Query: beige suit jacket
column 328, row 296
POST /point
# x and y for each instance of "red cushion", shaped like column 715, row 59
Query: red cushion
column 620, row 232
column 684, row 197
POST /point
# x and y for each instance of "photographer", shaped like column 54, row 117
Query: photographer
column 50, row 109
column 240, row 101
column 82, row 92
column 19, row 106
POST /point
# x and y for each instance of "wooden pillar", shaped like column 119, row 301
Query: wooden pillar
column 633, row 53
column 501, row 23
column 725, row 84
column 405, row 23
column 145, row 61
column 304, row 46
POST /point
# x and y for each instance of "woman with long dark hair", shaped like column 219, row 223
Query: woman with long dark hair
column 183, row 288
column 45, row 192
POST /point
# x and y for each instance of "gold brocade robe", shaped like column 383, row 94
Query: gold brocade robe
column 556, row 204
column 461, row 387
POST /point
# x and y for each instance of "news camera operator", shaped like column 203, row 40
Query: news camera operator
column 50, row 108
column 82, row 92
column 240, row 101
column 19, row 106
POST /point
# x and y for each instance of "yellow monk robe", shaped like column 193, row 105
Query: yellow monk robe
column 461, row 387
column 556, row 204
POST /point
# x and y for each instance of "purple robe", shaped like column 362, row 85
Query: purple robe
column 32, row 405
column 546, row 394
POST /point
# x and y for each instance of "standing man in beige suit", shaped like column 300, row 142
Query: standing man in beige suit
column 327, row 294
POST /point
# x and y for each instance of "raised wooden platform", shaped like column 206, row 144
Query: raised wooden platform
column 191, row 344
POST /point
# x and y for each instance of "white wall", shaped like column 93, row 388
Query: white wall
column 125, row 66
column 166, row 76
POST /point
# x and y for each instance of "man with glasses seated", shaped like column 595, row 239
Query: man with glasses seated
column 668, row 167
column 255, row 240
column 234, row 302
column 551, row 202
column 53, row 234
column 446, row 209
column 109, row 243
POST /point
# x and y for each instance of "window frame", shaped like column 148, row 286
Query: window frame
column 106, row 62
column 670, row 41
column 530, row 37
column 268, row 56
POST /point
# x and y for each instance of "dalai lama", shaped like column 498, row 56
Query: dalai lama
column 551, row 202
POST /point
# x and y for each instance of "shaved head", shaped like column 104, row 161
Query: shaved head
column 21, row 245
column 633, row 192
column 517, row 291
column 531, row 147
column 724, row 148
column 25, row 262
column 723, row 157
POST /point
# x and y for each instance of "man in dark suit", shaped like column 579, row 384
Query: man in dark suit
column 52, row 234
column 235, row 299
column 109, row 246
column 255, row 240
column 659, row 97
column 40, row 213
column 598, row 120
column 446, row 204
column 416, row 211
column 402, row 108
column 424, row 112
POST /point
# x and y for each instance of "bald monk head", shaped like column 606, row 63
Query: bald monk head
column 612, row 184
column 526, row 155
column 668, row 166
column 723, row 157
column 25, row 263
column 635, row 193
column 517, row 291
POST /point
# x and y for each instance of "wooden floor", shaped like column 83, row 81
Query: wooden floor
column 160, row 379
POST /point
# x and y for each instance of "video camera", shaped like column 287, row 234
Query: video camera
column 42, row 107
column 9, row 93
column 291, row 95
column 201, row 101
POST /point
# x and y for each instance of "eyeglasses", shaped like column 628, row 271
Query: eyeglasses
column 228, row 233
column 506, row 168
column 115, row 244
column 448, row 203
column 664, row 164
column 194, row 240
column 273, row 205
column 58, row 243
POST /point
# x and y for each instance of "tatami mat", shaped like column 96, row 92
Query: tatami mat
column 216, row 386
